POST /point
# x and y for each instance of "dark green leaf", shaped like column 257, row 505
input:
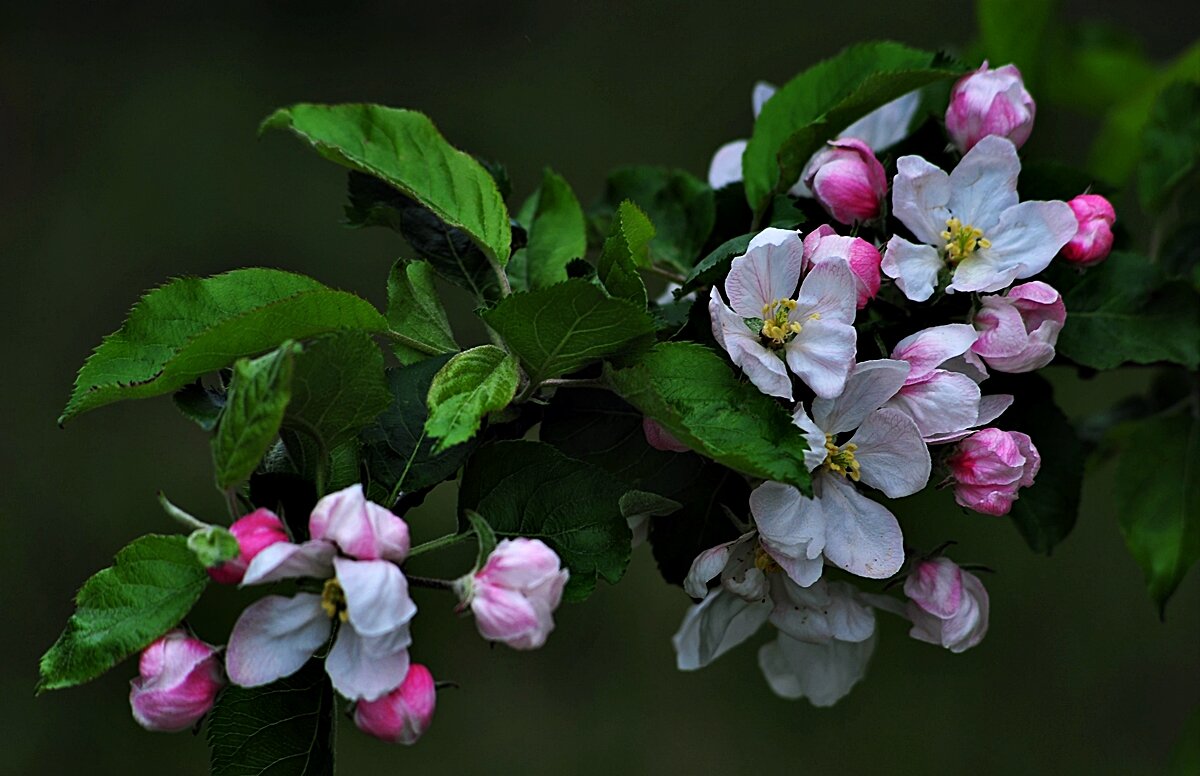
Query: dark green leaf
column 680, row 206
column 258, row 397
column 470, row 385
column 557, row 235
column 625, row 249
column 713, row 268
column 282, row 729
column 193, row 326
column 817, row 104
column 415, row 313
column 694, row 395
column 1170, row 144
column 403, row 148
column 530, row 489
column 200, row 404
column 1185, row 754
column 153, row 584
column 558, row 330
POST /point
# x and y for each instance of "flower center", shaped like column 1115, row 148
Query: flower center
column 764, row 562
column 841, row 459
column 333, row 600
column 962, row 240
column 776, row 326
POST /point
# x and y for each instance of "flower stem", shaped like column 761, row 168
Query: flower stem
column 179, row 515
column 430, row 582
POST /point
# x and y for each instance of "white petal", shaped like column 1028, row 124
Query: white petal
column 365, row 668
column 930, row 348
column 921, row 198
column 763, row 91
column 822, row 355
column 887, row 125
column 829, row 292
column 823, row 673
column 984, row 184
column 766, row 273
column 821, row 612
column 716, row 625
column 1027, row 237
column 861, row 536
column 708, row 565
column 275, row 637
column 869, row 385
column 377, row 600
column 791, row 530
column 726, row 165
column 943, row 403
column 893, row 457
column 992, row 407
column 765, row 369
column 814, row 456
column 284, row 560
column 914, row 267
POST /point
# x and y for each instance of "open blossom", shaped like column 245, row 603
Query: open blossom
column 1018, row 331
column 404, row 714
column 971, row 223
column 990, row 466
column 847, row 180
column 824, row 244
column 938, row 400
column 178, row 680
column 514, row 595
column 812, row 332
column 354, row 546
column 990, row 102
column 254, row 533
column 947, row 606
column 1094, row 238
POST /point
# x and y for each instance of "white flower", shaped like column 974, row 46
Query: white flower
column 971, row 221
column 812, row 332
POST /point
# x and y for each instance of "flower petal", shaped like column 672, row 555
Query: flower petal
column 893, row 457
column 763, row 91
column 869, row 385
column 821, row 612
column 914, row 267
column 943, row 403
column 861, row 536
column 284, row 560
column 984, row 184
column 708, row 565
column 726, row 165
column 765, row 369
column 766, row 273
column 888, row 124
column 823, row 673
column 829, row 292
column 1027, row 237
column 822, row 355
column 377, row 600
column 716, row 625
column 929, row 348
column 920, row 199
column 275, row 637
column 363, row 529
column 366, row 668
column 791, row 530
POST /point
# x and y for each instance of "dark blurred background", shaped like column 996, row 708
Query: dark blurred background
column 129, row 157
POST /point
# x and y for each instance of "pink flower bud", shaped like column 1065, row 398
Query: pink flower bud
column 947, row 606
column 989, row 467
column 403, row 715
column 661, row 439
column 847, row 180
column 990, row 102
column 1092, row 243
column 516, row 592
column 179, row 677
column 361, row 528
column 823, row 244
column 1018, row 331
column 254, row 533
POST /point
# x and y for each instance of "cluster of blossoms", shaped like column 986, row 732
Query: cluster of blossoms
column 354, row 608
column 882, row 426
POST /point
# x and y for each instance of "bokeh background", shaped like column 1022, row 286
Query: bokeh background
column 128, row 148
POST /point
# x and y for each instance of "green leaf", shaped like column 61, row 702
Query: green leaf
column 817, row 104
column 680, row 206
column 1170, row 144
column 193, row 326
column 530, row 489
column 1185, row 754
column 403, row 148
column 694, row 395
column 415, row 313
column 713, row 268
column 153, row 584
column 1156, row 490
column 472, row 384
column 558, row 330
column 1015, row 31
column 200, row 404
column 639, row 504
column 1122, row 312
column 557, row 235
column 626, row 249
column 258, row 397
column 283, row 729
column 213, row 545
column 397, row 453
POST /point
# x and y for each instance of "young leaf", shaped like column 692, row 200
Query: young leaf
column 817, row 104
column 557, row 234
column 284, row 728
column 713, row 268
column 472, row 384
column 258, row 397
column 193, row 326
column 625, row 249
column 693, row 394
column 680, row 206
column 415, row 313
column 1122, row 312
column 558, row 330
column 403, row 148
column 530, row 489
column 153, row 584
column 1156, row 489
column 397, row 452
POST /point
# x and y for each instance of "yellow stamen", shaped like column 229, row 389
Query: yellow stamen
column 962, row 240
column 841, row 460
column 764, row 562
column 333, row 600
column 776, row 326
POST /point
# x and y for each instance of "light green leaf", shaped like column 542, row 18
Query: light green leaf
column 415, row 313
column 557, row 235
column 485, row 535
column 681, row 207
column 193, row 326
column 405, row 149
column 626, row 249
column 560, row 329
column 258, row 397
column 472, row 384
column 530, row 489
column 694, row 395
column 153, row 584
column 1156, row 489
column 817, row 104
column 283, row 729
